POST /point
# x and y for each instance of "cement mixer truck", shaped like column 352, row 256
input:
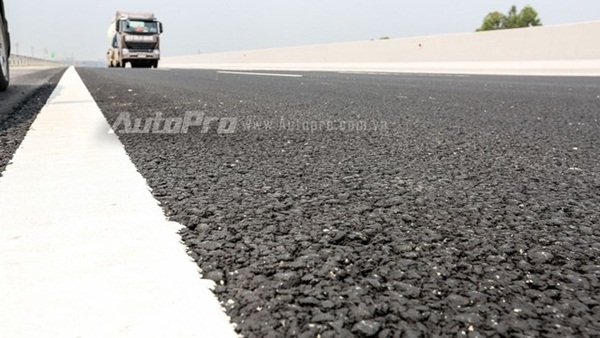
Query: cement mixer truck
column 135, row 39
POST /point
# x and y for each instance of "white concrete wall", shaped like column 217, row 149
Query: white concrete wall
column 563, row 50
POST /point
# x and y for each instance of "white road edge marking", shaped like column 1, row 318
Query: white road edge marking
column 86, row 249
column 259, row 74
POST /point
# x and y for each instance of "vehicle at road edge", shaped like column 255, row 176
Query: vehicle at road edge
column 134, row 38
column 4, row 49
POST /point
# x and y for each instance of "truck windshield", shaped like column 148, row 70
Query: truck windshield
column 136, row 26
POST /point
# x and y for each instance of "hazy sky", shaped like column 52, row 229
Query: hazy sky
column 78, row 27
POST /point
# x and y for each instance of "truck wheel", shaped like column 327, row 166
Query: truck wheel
column 4, row 48
column 155, row 64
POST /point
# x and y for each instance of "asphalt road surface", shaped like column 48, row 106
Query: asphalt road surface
column 335, row 205
column 20, row 104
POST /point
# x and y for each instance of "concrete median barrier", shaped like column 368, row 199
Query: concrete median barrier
column 26, row 61
column 550, row 50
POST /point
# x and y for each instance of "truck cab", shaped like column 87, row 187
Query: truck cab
column 135, row 39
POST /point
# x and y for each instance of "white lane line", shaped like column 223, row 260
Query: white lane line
column 358, row 72
column 258, row 74
column 416, row 73
column 86, row 251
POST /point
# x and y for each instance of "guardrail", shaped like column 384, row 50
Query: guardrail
column 27, row 61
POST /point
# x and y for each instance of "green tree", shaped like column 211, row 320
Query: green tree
column 527, row 17
column 493, row 21
column 512, row 19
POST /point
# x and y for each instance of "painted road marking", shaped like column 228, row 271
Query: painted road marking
column 258, row 74
column 403, row 73
column 86, row 251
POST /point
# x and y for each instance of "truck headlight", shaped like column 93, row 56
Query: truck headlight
column 125, row 51
column 157, row 52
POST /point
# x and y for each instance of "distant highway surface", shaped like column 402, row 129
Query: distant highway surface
column 343, row 204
